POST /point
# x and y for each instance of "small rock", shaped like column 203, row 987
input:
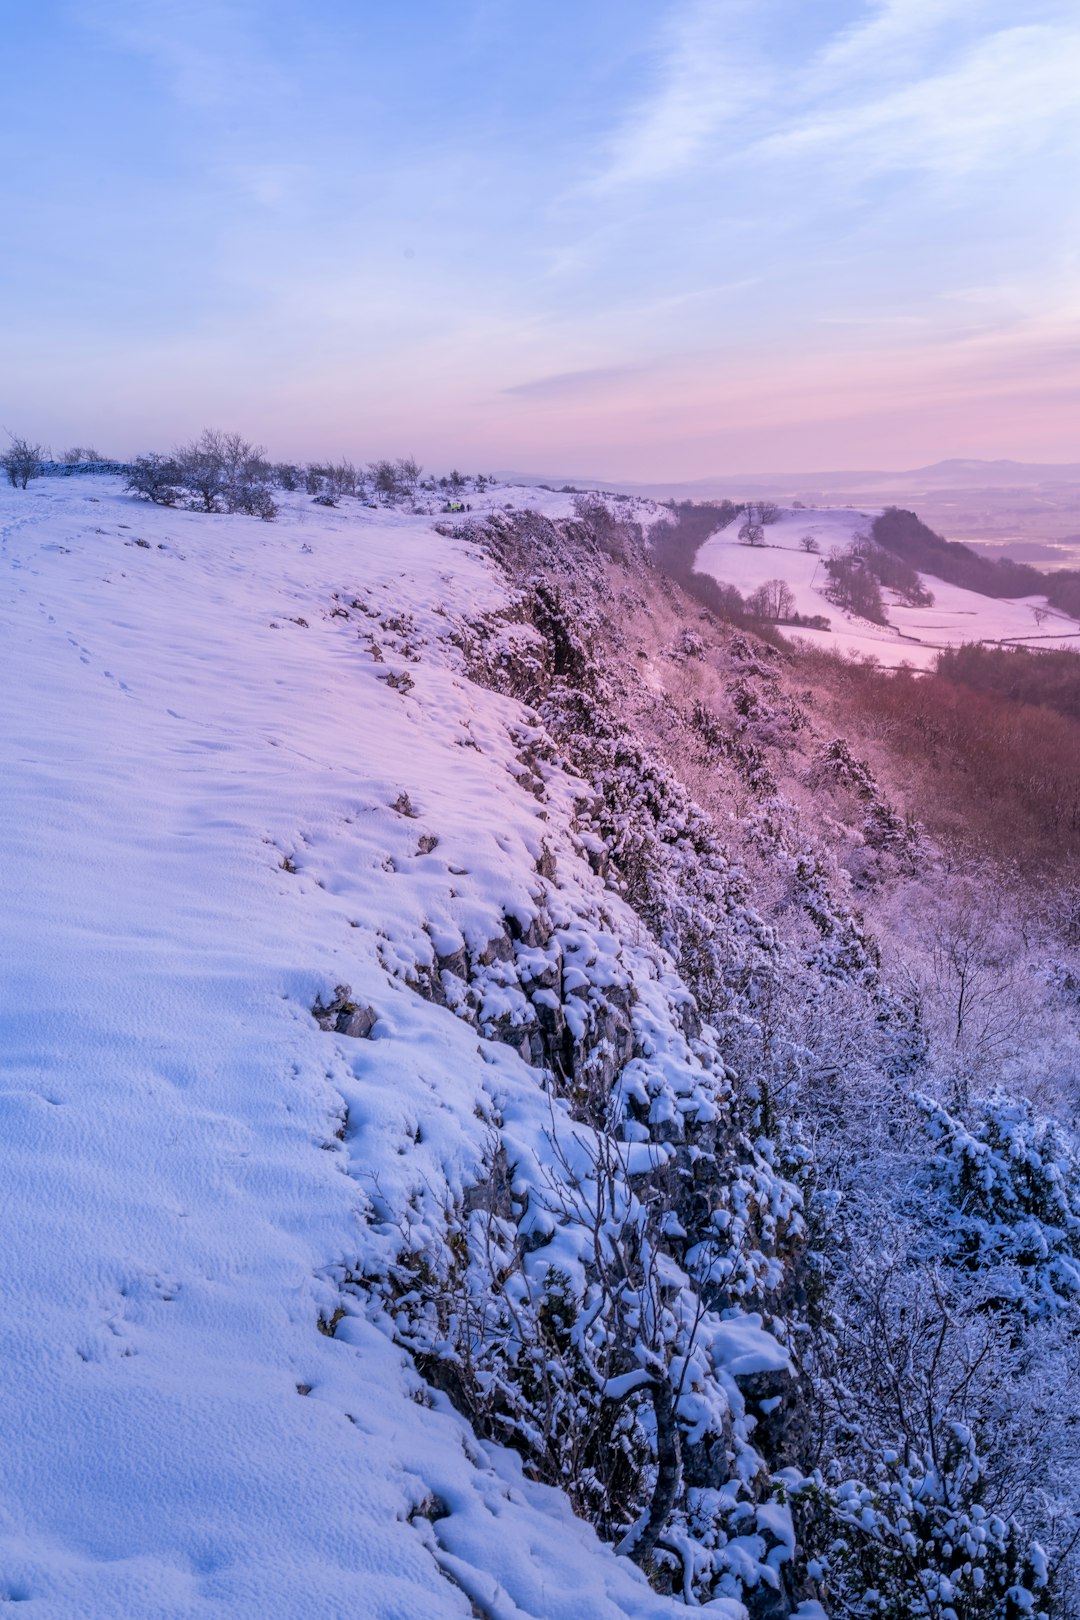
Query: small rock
column 343, row 1016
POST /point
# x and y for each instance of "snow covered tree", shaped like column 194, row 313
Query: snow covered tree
column 1005, row 1186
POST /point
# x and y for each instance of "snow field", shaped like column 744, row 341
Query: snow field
column 914, row 635
column 200, row 836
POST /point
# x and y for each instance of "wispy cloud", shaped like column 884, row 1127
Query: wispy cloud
column 892, row 38
column 915, row 85
column 212, row 58
column 704, row 74
column 564, row 383
column 1010, row 93
column 210, row 49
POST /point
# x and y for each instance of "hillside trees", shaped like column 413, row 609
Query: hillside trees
column 1049, row 678
column 853, row 587
column 903, row 533
column 994, row 775
column 609, row 529
column 946, row 1443
column 892, row 572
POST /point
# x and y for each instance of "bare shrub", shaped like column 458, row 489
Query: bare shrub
column 217, row 472
column 21, row 460
column 384, row 479
column 611, row 533
column 156, row 478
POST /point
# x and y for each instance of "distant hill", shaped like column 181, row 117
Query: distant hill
column 904, row 534
column 1029, row 511
column 952, row 473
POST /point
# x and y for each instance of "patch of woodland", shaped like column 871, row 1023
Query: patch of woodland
column 1047, row 679
column 992, row 776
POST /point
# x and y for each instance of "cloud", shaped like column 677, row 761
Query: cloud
column 703, row 78
column 893, row 37
column 920, row 85
column 210, row 49
column 1013, row 92
column 565, row 383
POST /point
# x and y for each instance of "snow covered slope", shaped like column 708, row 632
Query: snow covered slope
column 914, row 635
column 242, row 767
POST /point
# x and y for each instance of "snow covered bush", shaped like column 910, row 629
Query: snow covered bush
column 915, row 1542
column 1005, row 1186
column 608, row 1308
column 156, row 478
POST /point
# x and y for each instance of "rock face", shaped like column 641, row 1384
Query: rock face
column 344, row 1016
column 529, row 987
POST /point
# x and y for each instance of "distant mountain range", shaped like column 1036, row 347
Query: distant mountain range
column 954, row 473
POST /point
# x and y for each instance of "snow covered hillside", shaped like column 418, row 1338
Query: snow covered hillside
column 241, row 768
column 475, row 1042
column 914, row 635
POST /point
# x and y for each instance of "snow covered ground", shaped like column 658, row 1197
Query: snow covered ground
column 914, row 635
column 219, row 803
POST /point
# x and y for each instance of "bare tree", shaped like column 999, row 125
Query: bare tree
column 384, row 479
column 758, row 515
column 21, row 460
column 773, row 600
column 809, row 544
column 978, row 995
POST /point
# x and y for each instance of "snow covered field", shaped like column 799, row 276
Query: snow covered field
column 219, row 803
column 914, row 635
